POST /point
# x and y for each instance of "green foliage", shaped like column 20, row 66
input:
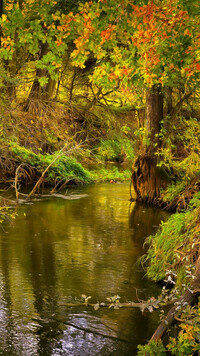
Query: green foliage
column 180, row 149
column 5, row 213
column 115, row 150
column 110, row 173
column 180, row 346
column 173, row 190
column 188, row 340
column 153, row 43
column 25, row 154
column 65, row 168
column 151, row 349
column 175, row 245
column 195, row 201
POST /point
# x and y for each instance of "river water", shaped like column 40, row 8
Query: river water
column 58, row 249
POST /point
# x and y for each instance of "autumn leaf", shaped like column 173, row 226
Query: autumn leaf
column 198, row 66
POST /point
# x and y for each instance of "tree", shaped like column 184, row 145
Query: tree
column 32, row 29
column 155, row 45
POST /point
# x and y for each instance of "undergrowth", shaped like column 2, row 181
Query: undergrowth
column 173, row 190
column 65, row 168
column 111, row 173
column 115, row 150
column 175, row 246
column 172, row 253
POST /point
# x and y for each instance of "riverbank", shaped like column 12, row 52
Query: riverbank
column 86, row 154
column 58, row 151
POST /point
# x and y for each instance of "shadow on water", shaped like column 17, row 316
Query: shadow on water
column 58, row 249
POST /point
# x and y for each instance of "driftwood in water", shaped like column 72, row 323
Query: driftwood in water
column 105, row 305
column 188, row 298
column 69, row 197
column 114, row 302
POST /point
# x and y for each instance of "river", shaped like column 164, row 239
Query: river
column 58, row 249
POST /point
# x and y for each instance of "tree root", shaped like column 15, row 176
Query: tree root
column 20, row 171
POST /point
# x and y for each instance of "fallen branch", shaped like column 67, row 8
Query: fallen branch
column 41, row 179
column 188, row 298
column 103, row 305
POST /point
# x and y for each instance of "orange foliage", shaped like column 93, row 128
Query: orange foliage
column 106, row 34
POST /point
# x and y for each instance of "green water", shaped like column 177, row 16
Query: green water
column 58, row 249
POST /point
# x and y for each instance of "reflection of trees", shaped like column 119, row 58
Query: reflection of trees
column 144, row 220
column 7, row 323
column 43, row 280
column 62, row 249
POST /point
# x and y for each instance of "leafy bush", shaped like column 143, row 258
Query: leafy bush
column 151, row 349
column 188, row 340
column 115, row 150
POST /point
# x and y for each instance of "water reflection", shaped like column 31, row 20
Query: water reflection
column 59, row 249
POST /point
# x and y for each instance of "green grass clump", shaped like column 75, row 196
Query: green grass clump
column 175, row 246
column 65, row 168
column 174, row 190
column 68, row 168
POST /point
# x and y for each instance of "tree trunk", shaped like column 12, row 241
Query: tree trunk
column 147, row 178
column 154, row 113
column 169, row 100
column 1, row 13
column 39, row 94
column 10, row 85
column 50, row 89
column 37, row 90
